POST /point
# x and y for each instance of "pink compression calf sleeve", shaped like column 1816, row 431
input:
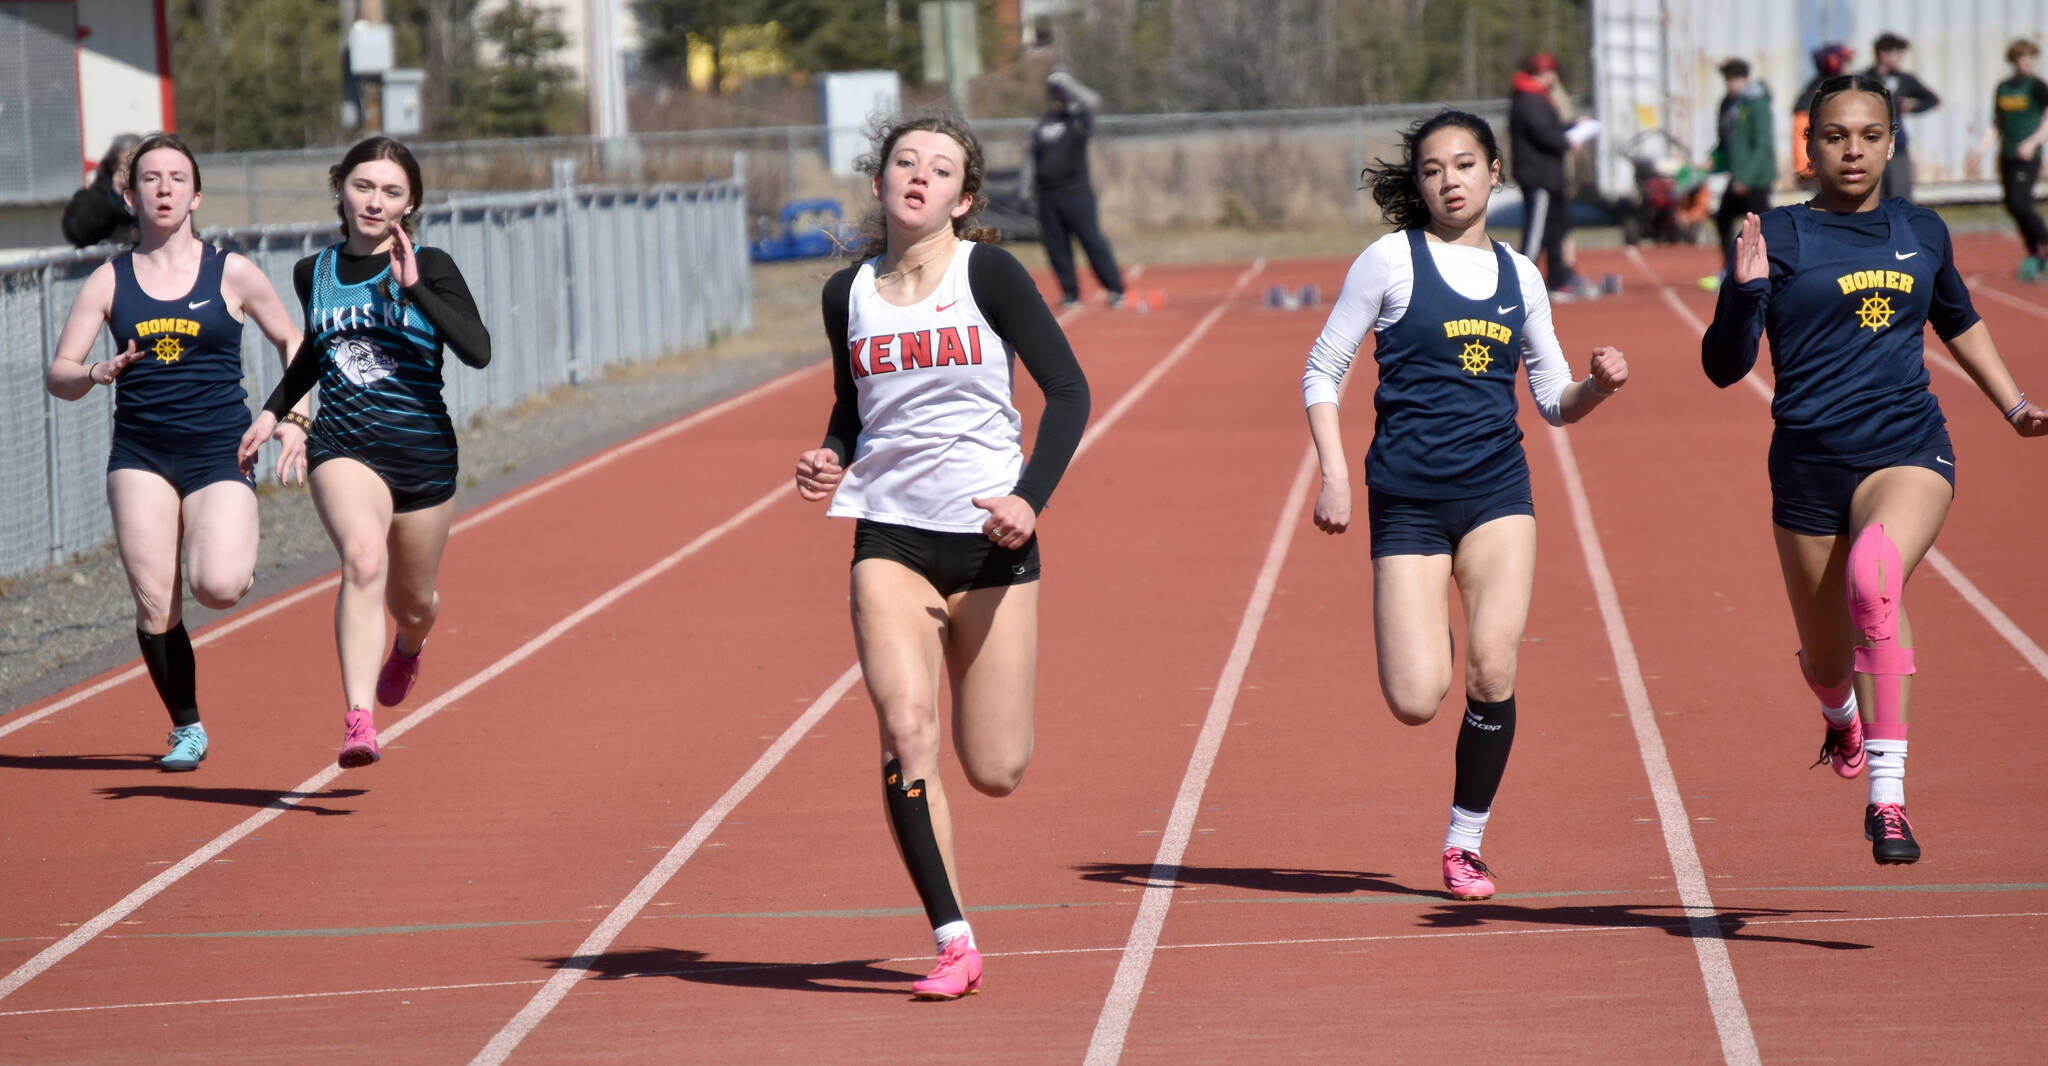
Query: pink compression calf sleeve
column 1877, row 578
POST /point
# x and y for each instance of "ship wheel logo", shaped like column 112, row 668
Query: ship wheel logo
column 1875, row 313
column 1476, row 359
column 167, row 349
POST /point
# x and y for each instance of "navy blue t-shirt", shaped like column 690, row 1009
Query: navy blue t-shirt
column 1444, row 425
column 1843, row 306
column 188, row 383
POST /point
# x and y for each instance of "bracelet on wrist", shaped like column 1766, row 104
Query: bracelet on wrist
column 298, row 420
column 1594, row 383
column 2015, row 409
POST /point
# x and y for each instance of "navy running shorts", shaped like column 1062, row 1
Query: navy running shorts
column 1811, row 496
column 1409, row 525
column 414, row 488
column 199, row 462
column 952, row 562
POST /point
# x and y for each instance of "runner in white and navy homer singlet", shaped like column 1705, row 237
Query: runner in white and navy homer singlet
column 1447, row 486
column 1862, row 472
column 924, row 451
column 172, row 477
column 379, row 311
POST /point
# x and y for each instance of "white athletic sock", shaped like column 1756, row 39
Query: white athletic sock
column 948, row 931
column 1887, row 770
column 1840, row 716
column 1467, row 827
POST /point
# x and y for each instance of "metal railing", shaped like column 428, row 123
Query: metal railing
column 569, row 282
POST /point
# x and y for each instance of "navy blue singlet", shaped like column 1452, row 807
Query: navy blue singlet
column 380, row 385
column 187, row 386
column 1445, row 424
column 1846, row 343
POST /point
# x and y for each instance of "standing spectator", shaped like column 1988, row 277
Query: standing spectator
column 1066, row 200
column 2016, row 127
column 1912, row 96
column 1745, row 153
column 99, row 211
column 1828, row 60
column 1536, row 140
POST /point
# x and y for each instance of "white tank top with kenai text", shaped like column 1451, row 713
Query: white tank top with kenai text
column 937, row 426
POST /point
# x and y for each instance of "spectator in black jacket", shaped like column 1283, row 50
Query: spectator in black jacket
column 1912, row 96
column 1537, row 144
column 1066, row 200
column 99, row 211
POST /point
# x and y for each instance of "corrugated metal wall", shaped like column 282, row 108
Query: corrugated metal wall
column 39, row 153
column 1655, row 63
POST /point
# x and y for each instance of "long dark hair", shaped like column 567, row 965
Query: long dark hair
column 373, row 148
column 1393, row 185
column 151, row 143
column 883, row 133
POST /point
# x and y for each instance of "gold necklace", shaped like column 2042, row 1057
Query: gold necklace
column 901, row 271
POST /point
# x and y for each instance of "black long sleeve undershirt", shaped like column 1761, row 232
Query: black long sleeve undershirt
column 440, row 294
column 1010, row 300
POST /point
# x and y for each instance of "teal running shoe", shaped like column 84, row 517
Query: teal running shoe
column 188, row 748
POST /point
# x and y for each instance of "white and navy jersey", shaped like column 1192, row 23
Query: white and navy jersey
column 924, row 420
column 1844, row 305
column 1452, row 323
column 188, row 381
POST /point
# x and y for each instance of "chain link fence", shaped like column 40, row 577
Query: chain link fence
column 569, row 282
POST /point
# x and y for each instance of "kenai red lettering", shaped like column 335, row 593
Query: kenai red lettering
column 974, row 343
column 879, row 355
column 853, row 357
column 950, row 352
column 914, row 349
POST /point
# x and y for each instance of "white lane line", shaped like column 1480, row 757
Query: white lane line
column 600, row 939
column 306, row 789
column 557, row 479
column 1724, row 997
column 594, row 946
column 2000, row 622
column 1113, row 1024
column 1575, row 930
column 2006, row 298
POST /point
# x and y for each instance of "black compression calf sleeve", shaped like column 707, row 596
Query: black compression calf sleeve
column 911, row 818
column 169, row 658
column 1484, row 739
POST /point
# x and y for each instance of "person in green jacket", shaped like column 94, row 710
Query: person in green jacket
column 1745, row 152
column 2017, row 129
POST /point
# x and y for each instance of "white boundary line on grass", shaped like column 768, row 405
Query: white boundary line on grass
column 259, row 612
column 559, row 985
column 128, row 904
column 2000, row 622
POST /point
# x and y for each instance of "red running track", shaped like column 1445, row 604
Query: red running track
column 629, row 815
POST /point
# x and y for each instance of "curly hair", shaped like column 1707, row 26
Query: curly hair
column 1393, row 184
column 372, row 148
column 883, row 133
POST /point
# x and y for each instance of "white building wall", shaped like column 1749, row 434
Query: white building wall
column 120, row 87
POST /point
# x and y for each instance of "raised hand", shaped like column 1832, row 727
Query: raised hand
column 1752, row 260
column 405, row 267
column 1610, row 367
column 106, row 370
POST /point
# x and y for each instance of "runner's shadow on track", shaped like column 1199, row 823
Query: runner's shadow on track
column 793, row 976
column 234, row 797
column 78, row 762
column 1252, row 878
column 1666, row 917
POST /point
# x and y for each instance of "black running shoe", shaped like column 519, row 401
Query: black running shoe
column 1890, row 834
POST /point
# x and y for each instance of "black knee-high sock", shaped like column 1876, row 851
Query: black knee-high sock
column 911, row 817
column 1484, row 740
column 169, row 658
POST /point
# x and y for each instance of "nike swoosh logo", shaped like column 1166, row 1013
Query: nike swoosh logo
column 943, row 307
column 200, row 304
column 1505, row 310
column 1905, row 255
column 1942, row 461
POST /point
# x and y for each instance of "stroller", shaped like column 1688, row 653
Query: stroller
column 1672, row 202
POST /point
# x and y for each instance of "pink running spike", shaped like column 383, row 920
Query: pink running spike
column 957, row 974
column 359, row 745
column 1465, row 877
column 1842, row 748
column 395, row 681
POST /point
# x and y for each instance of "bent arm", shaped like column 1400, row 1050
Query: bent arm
column 444, row 299
column 1728, row 349
column 1978, row 356
column 67, row 377
column 1004, row 291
